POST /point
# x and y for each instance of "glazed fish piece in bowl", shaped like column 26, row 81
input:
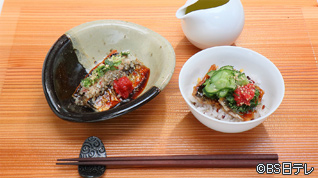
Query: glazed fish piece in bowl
column 103, row 69
column 229, row 91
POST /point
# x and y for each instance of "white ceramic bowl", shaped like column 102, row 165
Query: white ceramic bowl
column 253, row 64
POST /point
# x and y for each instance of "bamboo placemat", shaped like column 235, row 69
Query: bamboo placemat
column 32, row 137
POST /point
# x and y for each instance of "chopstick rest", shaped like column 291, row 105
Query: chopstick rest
column 92, row 147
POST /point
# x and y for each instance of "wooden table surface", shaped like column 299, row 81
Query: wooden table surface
column 32, row 137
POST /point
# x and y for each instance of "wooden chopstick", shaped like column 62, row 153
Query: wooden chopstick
column 223, row 160
column 177, row 163
column 183, row 157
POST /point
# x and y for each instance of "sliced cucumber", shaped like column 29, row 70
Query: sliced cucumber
column 221, row 79
column 211, row 73
column 227, row 67
column 222, row 93
column 242, row 79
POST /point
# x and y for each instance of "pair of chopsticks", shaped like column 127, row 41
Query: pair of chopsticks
column 204, row 161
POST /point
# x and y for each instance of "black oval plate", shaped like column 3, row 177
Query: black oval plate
column 62, row 73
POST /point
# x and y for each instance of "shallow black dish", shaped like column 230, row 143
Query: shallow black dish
column 62, row 71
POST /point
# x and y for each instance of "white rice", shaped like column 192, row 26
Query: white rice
column 212, row 111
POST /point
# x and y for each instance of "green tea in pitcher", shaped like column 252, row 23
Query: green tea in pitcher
column 205, row 4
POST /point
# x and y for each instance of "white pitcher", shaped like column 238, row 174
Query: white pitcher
column 208, row 23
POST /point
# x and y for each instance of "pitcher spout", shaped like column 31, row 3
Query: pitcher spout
column 181, row 12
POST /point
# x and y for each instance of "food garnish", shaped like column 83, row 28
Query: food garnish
column 231, row 90
column 118, row 79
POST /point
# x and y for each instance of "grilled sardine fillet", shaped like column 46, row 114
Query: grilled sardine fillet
column 117, row 80
column 198, row 93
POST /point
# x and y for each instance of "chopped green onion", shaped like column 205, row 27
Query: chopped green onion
column 87, row 82
column 125, row 53
column 110, row 64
